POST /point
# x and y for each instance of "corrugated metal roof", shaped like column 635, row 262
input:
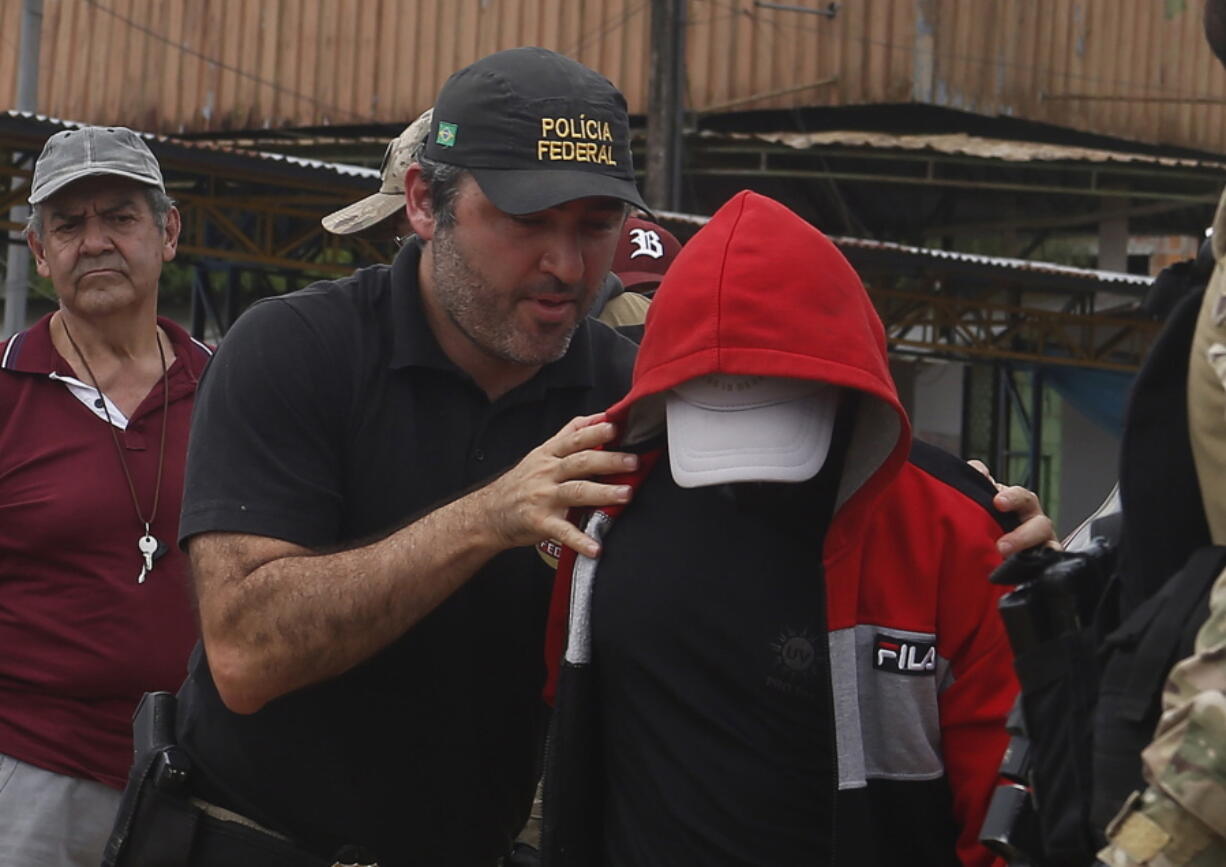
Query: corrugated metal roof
column 962, row 144
column 1135, row 69
column 342, row 169
column 1087, row 274
column 969, row 145
column 1000, row 262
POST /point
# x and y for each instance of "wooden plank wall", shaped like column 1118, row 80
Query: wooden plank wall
column 196, row 65
column 10, row 49
column 1130, row 68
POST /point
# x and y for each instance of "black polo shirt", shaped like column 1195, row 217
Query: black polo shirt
column 330, row 417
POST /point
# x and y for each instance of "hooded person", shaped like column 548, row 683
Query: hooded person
column 788, row 650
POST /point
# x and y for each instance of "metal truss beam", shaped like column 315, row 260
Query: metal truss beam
column 251, row 233
column 764, row 154
column 240, row 210
column 1207, row 198
column 280, row 234
column 976, row 330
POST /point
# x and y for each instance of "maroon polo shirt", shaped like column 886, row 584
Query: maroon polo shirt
column 80, row 639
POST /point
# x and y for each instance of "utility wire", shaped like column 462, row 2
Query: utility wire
column 12, row 43
column 620, row 21
column 242, row 73
column 603, row 30
column 714, row 19
column 608, row 27
column 756, row 17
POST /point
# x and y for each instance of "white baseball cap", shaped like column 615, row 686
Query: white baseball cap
column 724, row 428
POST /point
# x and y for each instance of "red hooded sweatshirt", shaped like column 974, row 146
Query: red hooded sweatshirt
column 758, row 291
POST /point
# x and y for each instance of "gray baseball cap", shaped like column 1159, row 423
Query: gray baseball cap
column 73, row 154
column 401, row 152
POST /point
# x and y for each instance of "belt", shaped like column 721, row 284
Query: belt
column 224, row 837
column 230, row 816
column 241, row 836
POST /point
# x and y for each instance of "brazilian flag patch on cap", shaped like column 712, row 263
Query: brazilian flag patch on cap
column 446, row 134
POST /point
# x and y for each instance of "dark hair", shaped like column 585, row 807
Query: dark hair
column 444, row 180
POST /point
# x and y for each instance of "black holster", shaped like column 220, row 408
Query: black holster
column 155, row 800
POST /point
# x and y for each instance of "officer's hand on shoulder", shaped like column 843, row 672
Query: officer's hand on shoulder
column 529, row 502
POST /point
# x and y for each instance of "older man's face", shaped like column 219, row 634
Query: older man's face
column 101, row 247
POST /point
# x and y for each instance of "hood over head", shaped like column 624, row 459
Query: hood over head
column 758, row 291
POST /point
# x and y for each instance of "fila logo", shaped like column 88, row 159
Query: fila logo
column 646, row 243
column 904, row 655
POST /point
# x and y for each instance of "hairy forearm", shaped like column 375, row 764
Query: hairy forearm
column 277, row 617
column 274, row 625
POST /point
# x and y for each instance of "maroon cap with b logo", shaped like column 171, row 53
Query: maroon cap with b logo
column 644, row 253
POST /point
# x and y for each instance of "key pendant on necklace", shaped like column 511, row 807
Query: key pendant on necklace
column 148, row 547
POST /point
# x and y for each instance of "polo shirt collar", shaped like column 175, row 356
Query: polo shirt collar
column 31, row 351
column 414, row 344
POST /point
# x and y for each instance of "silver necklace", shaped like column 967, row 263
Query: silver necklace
column 148, row 545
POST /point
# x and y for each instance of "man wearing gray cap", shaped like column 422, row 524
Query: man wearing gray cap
column 95, row 401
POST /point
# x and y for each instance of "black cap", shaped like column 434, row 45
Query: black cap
column 536, row 129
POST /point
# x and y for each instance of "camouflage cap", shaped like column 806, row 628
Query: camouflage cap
column 401, row 152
